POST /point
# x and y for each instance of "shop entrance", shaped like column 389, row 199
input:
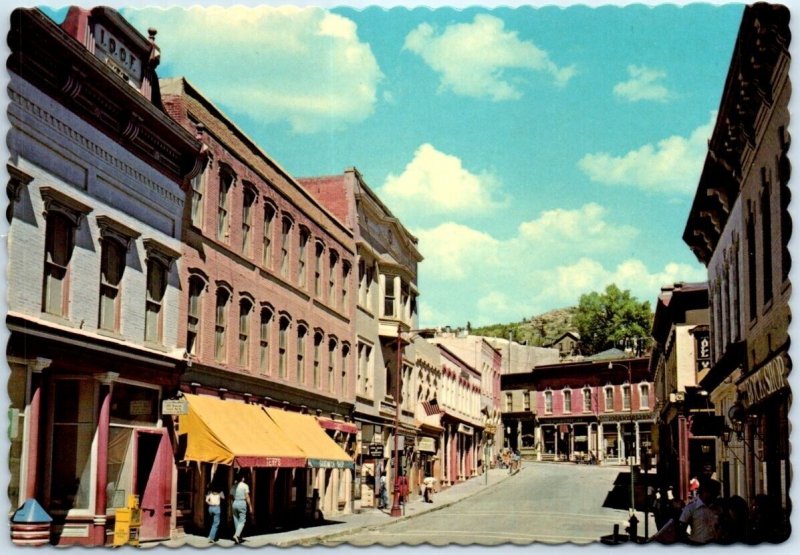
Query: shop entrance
column 153, row 480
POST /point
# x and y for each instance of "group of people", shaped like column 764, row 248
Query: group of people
column 241, row 507
column 383, row 490
column 709, row 518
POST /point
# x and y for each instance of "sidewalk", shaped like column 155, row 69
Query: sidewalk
column 346, row 524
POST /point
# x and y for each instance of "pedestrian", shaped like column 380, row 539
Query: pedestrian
column 698, row 523
column 383, row 492
column 427, row 485
column 240, row 496
column 214, row 497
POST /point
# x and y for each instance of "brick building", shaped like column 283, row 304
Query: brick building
column 739, row 228
column 267, row 284
column 94, row 258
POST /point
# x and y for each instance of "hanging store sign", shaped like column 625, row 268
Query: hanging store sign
column 427, row 445
column 465, row 429
column 372, row 450
column 770, row 379
column 702, row 350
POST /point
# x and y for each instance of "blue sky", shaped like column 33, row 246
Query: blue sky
column 537, row 153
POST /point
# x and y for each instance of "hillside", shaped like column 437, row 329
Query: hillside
column 537, row 331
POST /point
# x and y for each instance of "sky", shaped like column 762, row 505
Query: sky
column 538, row 153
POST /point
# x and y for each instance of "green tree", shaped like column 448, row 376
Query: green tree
column 605, row 319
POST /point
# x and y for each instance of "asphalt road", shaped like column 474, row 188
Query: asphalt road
column 547, row 503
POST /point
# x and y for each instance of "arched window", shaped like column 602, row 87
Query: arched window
column 283, row 330
column 332, row 345
column 245, row 308
column 302, row 332
column 264, row 339
column 221, row 323
column 194, row 310
column 269, row 218
column 318, row 338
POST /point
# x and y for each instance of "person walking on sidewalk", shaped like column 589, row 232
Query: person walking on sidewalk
column 383, row 492
column 214, row 498
column 427, row 488
column 240, row 494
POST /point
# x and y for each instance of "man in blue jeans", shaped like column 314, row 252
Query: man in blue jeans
column 240, row 494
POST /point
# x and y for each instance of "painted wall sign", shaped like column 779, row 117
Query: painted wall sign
column 770, row 379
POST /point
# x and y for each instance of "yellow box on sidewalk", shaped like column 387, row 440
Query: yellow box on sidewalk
column 127, row 523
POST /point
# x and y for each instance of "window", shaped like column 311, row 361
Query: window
column 318, row 337
column 364, row 368
column 58, row 252
column 283, row 329
column 587, row 400
column 626, row 397
column 331, row 364
column 345, row 286
column 362, row 283
column 223, row 204
column 286, row 230
column 318, row 251
column 404, row 296
column 609, row 398
column 644, row 396
column 249, row 198
column 509, row 402
column 388, row 298
column 198, row 190
column 156, row 288
column 766, row 236
column 263, row 345
column 196, row 287
column 334, row 260
column 73, row 432
column 548, row 402
column 220, row 323
column 526, row 401
column 112, row 266
column 751, row 266
column 345, row 361
column 266, row 246
column 245, row 307
column 302, row 331
column 567, row 400
column 301, row 256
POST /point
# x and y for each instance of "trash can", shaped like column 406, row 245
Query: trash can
column 31, row 525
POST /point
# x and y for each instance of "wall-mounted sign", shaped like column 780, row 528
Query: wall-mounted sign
column 175, row 406
column 372, row 450
column 140, row 407
column 427, row 445
column 117, row 55
column 702, row 350
column 770, row 379
column 465, row 429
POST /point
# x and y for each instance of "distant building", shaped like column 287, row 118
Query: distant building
column 568, row 344
column 739, row 227
column 595, row 411
column 520, row 357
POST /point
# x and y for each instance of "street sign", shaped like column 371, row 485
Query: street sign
column 375, row 450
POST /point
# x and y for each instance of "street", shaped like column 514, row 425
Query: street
column 548, row 503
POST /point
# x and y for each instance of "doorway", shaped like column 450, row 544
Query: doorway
column 153, row 483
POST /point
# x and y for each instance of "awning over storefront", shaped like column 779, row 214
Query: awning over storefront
column 339, row 426
column 306, row 433
column 231, row 432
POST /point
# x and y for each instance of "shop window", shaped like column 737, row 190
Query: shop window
column 134, row 405
column 70, row 479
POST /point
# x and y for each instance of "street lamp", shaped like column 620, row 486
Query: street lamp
column 633, row 520
column 396, row 511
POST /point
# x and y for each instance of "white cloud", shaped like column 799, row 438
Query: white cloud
column 453, row 251
column 643, row 85
column 474, row 59
column 581, row 230
column 437, row 183
column 673, row 165
column 305, row 66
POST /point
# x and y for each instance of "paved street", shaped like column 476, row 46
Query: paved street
column 549, row 503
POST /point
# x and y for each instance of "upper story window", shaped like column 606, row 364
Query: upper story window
column 364, row 368
column 626, row 397
column 644, row 396
column 388, row 297
column 319, row 249
column 333, row 262
column 318, row 338
column 286, row 233
column 345, row 362
column 265, row 329
column 346, row 286
column 114, row 243
column 302, row 332
column 159, row 261
column 526, row 401
column 245, row 308
column 766, row 235
column 751, row 267
column 266, row 246
column 221, row 323
column 548, row 402
column 248, row 200
column 196, row 288
column 226, row 180
column 302, row 255
column 283, row 331
column 609, row 397
column 64, row 216
column 567, row 400
column 404, row 296
column 587, row 399
column 198, row 192
column 332, row 344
